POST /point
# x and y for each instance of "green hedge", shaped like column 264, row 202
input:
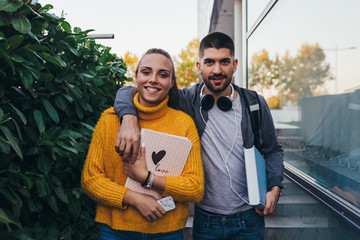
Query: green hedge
column 55, row 82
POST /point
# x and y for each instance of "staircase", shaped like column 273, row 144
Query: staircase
column 298, row 216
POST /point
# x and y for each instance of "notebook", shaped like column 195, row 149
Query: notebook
column 255, row 168
column 165, row 155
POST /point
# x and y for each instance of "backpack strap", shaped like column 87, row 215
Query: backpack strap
column 255, row 117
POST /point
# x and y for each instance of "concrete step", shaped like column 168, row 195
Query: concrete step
column 295, row 222
column 189, row 222
column 291, row 189
column 296, row 228
column 298, row 234
column 299, row 205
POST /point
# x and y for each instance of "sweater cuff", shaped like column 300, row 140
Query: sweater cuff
column 170, row 186
column 123, row 206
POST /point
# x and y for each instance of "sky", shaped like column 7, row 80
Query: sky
column 137, row 24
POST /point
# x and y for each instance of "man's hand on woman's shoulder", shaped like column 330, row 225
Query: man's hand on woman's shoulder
column 128, row 138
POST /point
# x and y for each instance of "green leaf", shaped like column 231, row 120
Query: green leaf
column 17, row 59
column 12, row 141
column 69, row 134
column 5, row 56
column 46, row 8
column 26, row 77
column 2, row 36
column 44, row 164
column 75, row 90
column 14, row 42
column 17, row 128
column 85, row 75
column 33, row 36
column 4, row 19
column 91, row 128
column 42, row 187
column 39, row 121
column 74, row 205
column 38, row 48
column 20, row 114
column 53, row 203
column 60, row 152
column 71, row 149
column 10, row 6
column 66, row 26
column 46, row 77
column 21, row 24
column 77, row 30
column 83, row 104
column 8, row 195
column 34, row 72
column 55, row 60
column 71, row 49
column 26, row 180
column 5, row 219
column 33, row 55
column 62, row 63
column 60, row 102
column 61, row 194
column 51, row 110
column 68, row 97
column 79, row 112
column 4, row 145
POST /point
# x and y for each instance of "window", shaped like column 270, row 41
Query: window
column 304, row 59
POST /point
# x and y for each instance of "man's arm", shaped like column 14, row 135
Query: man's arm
column 124, row 104
column 127, row 140
column 272, row 150
column 274, row 156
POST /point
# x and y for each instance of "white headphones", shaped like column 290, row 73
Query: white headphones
column 225, row 106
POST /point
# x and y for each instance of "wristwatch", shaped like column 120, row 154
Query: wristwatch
column 281, row 192
column 149, row 184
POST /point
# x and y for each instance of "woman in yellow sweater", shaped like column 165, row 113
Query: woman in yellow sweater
column 123, row 213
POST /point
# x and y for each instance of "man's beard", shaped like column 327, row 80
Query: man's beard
column 210, row 87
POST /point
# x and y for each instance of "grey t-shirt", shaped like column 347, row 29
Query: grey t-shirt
column 220, row 132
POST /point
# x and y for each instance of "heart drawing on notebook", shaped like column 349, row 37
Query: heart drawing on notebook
column 156, row 157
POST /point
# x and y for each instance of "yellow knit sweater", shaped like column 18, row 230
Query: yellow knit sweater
column 103, row 176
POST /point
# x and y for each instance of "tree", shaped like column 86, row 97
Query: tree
column 186, row 71
column 307, row 72
column 264, row 72
column 292, row 77
column 131, row 60
column 54, row 84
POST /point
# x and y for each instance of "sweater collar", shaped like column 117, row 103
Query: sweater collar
column 149, row 113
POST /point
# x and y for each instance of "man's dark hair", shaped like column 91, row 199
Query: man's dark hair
column 216, row 40
column 174, row 92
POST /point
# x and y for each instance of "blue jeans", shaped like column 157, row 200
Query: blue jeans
column 243, row 225
column 107, row 233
